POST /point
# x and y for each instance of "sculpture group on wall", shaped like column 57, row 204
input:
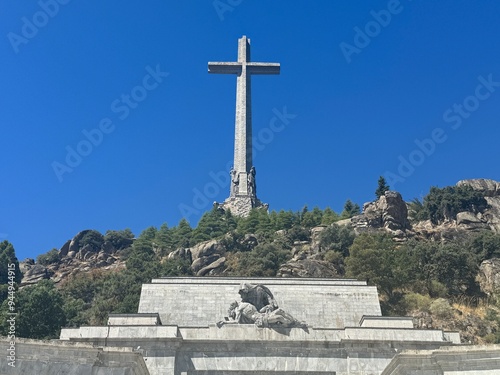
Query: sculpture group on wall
column 251, row 184
column 258, row 307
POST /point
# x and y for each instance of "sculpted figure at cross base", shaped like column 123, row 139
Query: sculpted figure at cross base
column 252, row 187
column 235, row 181
column 259, row 307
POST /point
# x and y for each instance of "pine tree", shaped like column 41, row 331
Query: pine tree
column 8, row 257
column 312, row 218
column 163, row 239
column 182, row 234
column 382, row 187
column 211, row 225
column 350, row 209
column 329, row 216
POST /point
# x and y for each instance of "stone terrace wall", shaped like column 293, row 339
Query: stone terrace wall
column 52, row 357
column 321, row 303
column 453, row 360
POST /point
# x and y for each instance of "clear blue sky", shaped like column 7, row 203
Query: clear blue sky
column 364, row 79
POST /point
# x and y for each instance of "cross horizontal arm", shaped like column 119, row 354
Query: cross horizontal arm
column 263, row 68
column 224, row 67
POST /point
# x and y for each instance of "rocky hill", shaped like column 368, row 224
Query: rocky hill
column 310, row 257
column 85, row 252
column 388, row 214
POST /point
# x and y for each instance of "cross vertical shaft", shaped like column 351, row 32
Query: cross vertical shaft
column 243, row 120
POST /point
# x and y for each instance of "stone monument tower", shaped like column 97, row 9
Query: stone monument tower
column 243, row 192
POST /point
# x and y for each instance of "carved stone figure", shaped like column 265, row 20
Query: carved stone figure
column 252, row 187
column 235, row 181
column 258, row 307
column 259, row 296
column 246, row 313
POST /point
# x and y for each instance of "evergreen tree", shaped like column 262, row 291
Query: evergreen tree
column 382, row 187
column 312, row 218
column 417, row 211
column 376, row 259
column 230, row 220
column 211, row 225
column 286, row 220
column 148, row 234
column 336, row 238
column 265, row 226
column 329, row 216
column 350, row 209
column 163, row 239
column 444, row 204
column 250, row 223
column 182, row 234
column 142, row 261
column 264, row 260
column 485, row 245
column 40, row 311
column 120, row 239
column 8, row 257
column 304, row 211
column 50, row 257
column 92, row 238
column 144, row 243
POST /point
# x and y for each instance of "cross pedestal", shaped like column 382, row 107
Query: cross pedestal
column 243, row 192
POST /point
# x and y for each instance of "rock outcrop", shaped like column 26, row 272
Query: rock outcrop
column 207, row 256
column 33, row 273
column 389, row 213
column 308, row 259
column 184, row 254
column 75, row 257
column 489, row 276
column 489, row 188
column 490, row 217
column 308, row 267
column 467, row 221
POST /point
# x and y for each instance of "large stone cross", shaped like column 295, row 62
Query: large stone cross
column 243, row 173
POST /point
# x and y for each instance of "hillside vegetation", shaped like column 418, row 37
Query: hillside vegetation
column 424, row 261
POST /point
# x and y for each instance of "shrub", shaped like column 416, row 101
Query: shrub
column 415, row 301
column 491, row 338
column 50, row 257
column 437, row 289
column 120, row 239
column 491, row 314
column 444, row 204
column 92, row 238
column 334, row 257
column 337, row 238
column 441, row 308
